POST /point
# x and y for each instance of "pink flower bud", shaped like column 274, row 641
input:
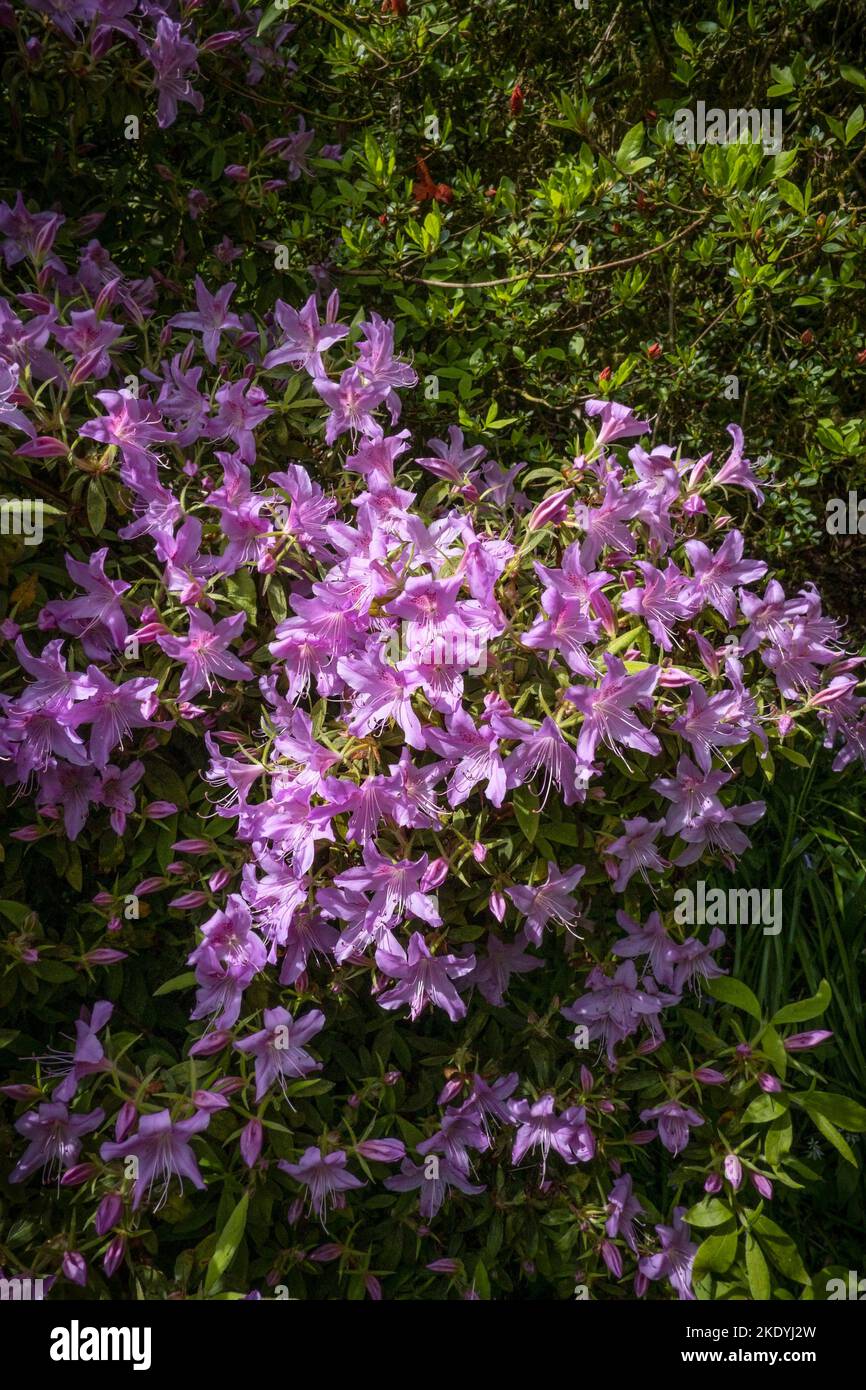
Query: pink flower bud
column 762, row 1186
column 769, row 1083
column 108, row 1213
column 114, row 1256
column 373, row 1287
column 382, row 1150
column 712, row 1184
column 219, row 880
column 445, row 1266
column 75, row 1267
column 188, row 900
column 21, row 1092
column 125, row 1122
column 451, row 1089
column 802, row 1042
column 209, row 1101
column 498, row 905
column 251, row 1142
column 211, row 1043
column 228, row 1085
column 104, row 955
column 79, row 1173
column 708, row 1076
column 552, row 510
column 192, row 846
column 612, row 1258
column 733, row 1170
column 158, row 810
column 435, row 873
column 148, row 885
column 326, row 1253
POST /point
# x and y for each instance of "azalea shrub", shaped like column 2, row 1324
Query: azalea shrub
column 358, row 786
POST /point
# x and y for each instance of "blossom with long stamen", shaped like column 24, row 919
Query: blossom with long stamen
column 54, row 1139
column 161, row 1147
column 608, row 710
column 550, row 901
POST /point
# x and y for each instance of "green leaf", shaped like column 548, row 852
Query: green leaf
column 841, row 1110
column 716, row 1253
column 780, row 1249
column 96, row 506
column 831, row 1133
column 730, row 991
column 775, row 1050
column 853, row 75
column 185, row 981
column 765, row 1108
column 791, row 194
column 227, row 1245
column 806, row 1008
column 628, row 157
column 756, row 1270
column 481, row 1280
column 17, row 913
column 709, row 1212
column 526, row 810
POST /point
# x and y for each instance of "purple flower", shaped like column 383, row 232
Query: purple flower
column 204, row 652
column 87, row 1056
column 278, row 1048
column 736, row 471
column 162, row 1148
column 623, row 1209
column 608, row 710
column 326, row 1177
column 453, row 461
column 423, row 978
column 98, row 617
column 212, row 317
column 551, row 900
column 113, row 711
column 716, row 575
column 692, row 960
column 617, row 421
column 434, row 1177
column 676, row 1258
column 636, row 851
column 54, row 1139
column 493, row 971
column 89, row 336
column 538, row 1126
column 173, row 57
column 304, row 337
column 673, row 1122
column 615, row 1007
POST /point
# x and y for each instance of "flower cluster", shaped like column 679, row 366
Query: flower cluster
column 458, row 728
